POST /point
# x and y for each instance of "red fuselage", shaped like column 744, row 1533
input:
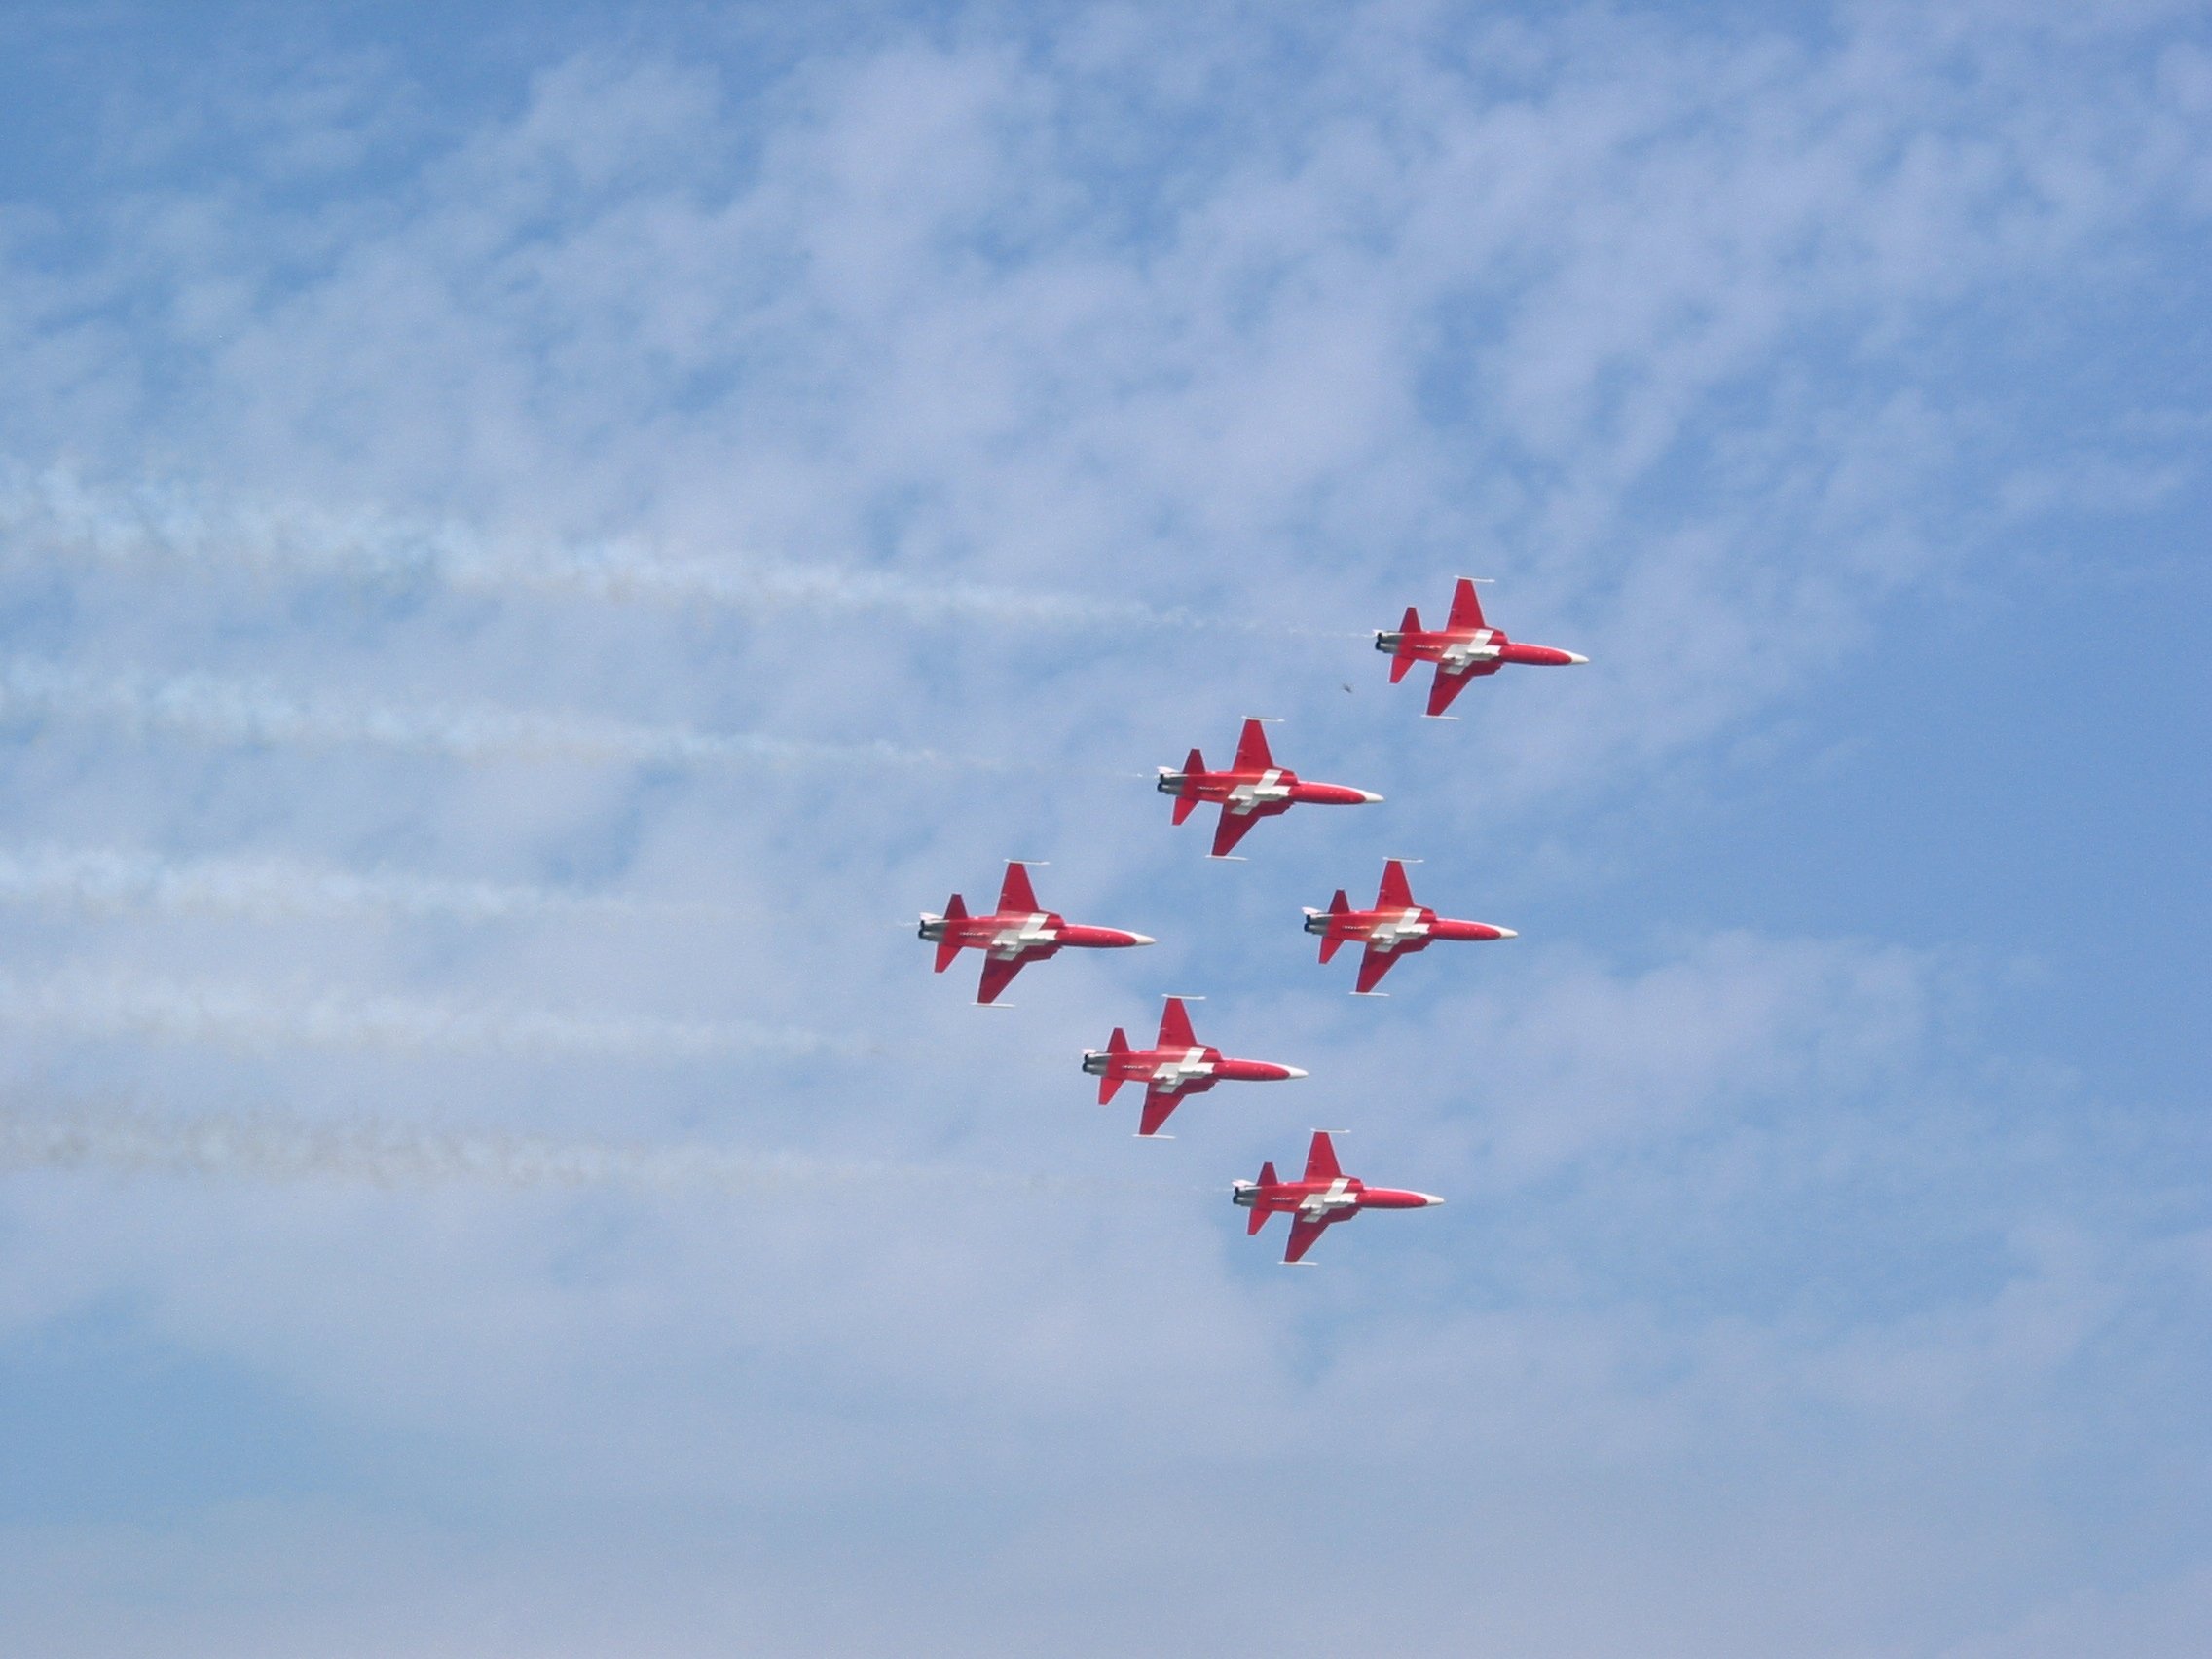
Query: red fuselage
column 1176, row 1068
column 1018, row 933
column 1324, row 1197
column 1396, row 927
column 1465, row 648
column 1251, row 789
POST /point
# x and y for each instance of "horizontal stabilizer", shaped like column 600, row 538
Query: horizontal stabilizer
column 1192, row 768
column 1112, row 1077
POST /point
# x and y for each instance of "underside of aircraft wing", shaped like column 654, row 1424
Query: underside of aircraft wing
column 1157, row 1109
column 1373, row 965
column 1303, row 1232
column 1016, row 897
column 1232, row 828
column 1466, row 606
column 998, row 973
column 1447, row 685
column 1252, row 754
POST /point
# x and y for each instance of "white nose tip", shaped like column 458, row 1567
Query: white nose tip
column 1430, row 1199
column 1369, row 797
column 1142, row 939
column 1295, row 1071
column 1502, row 933
column 1571, row 656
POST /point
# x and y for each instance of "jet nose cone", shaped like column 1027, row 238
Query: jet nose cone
column 1429, row 1198
column 1370, row 798
column 1142, row 939
column 1502, row 933
column 1571, row 656
column 1294, row 1071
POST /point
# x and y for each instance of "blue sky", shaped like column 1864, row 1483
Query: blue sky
column 531, row 546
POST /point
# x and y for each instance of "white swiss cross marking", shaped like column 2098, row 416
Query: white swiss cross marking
column 1173, row 1074
column 1270, row 787
column 1403, row 926
column 1029, row 931
column 1479, row 648
column 1338, row 1196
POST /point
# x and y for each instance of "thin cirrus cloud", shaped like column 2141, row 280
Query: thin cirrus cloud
column 250, row 1016
column 104, row 881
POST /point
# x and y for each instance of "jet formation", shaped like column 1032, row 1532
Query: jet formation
column 1253, row 787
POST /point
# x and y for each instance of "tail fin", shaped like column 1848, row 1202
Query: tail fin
column 1404, row 657
column 1186, row 801
column 948, row 948
column 1466, row 607
column 1175, row 1026
column 1116, row 1046
column 1321, row 1159
column 1268, row 1178
column 1332, row 942
column 1252, row 754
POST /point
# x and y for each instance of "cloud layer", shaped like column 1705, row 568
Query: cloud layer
column 526, row 557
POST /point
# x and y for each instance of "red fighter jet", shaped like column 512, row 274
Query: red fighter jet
column 1464, row 648
column 1252, row 789
column 1325, row 1196
column 1396, row 927
column 1020, row 932
column 1179, row 1067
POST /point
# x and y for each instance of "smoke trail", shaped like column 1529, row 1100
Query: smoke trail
column 262, row 1148
column 239, row 1016
column 211, row 710
column 56, row 512
column 106, row 882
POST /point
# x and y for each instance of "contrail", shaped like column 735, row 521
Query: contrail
column 239, row 1016
column 211, row 710
column 106, row 882
column 238, row 1145
column 56, row 512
